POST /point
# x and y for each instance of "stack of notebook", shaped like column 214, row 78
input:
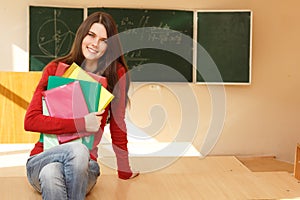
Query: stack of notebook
column 74, row 95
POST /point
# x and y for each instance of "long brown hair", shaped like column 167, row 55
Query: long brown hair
column 107, row 64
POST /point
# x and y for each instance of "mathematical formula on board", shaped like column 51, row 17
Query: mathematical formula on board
column 162, row 28
column 154, row 33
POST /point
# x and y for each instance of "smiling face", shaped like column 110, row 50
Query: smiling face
column 94, row 45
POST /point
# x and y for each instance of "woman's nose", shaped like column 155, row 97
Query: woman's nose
column 95, row 42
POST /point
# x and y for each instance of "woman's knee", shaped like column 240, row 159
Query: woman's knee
column 52, row 181
column 51, row 173
column 77, row 156
column 78, row 150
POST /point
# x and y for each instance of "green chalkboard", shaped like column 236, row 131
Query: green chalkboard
column 157, row 44
column 52, row 32
column 226, row 36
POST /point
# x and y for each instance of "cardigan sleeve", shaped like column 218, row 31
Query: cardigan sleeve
column 118, row 128
column 35, row 120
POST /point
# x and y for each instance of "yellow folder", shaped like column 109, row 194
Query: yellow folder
column 76, row 72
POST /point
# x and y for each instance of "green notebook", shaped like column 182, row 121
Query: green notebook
column 91, row 90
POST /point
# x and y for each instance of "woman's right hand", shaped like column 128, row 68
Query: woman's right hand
column 93, row 121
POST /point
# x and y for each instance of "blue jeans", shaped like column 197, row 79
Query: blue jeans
column 63, row 172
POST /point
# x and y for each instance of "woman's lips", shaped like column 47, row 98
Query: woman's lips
column 92, row 50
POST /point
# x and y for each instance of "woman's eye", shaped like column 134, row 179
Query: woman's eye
column 91, row 34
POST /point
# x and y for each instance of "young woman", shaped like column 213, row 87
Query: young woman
column 69, row 171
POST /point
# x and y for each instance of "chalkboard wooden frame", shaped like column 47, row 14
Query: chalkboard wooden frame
column 228, row 68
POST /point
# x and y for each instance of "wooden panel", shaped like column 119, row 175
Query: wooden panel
column 16, row 90
column 297, row 163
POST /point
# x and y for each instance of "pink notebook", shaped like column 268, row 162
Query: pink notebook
column 66, row 101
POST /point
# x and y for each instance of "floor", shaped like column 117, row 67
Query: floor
column 169, row 177
column 266, row 164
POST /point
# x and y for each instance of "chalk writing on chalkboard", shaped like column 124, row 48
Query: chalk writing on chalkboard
column 162, row 27
column 161, row 36
column 61, row 38
column 52, row 31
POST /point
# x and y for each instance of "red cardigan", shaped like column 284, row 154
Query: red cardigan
column 35, row 120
